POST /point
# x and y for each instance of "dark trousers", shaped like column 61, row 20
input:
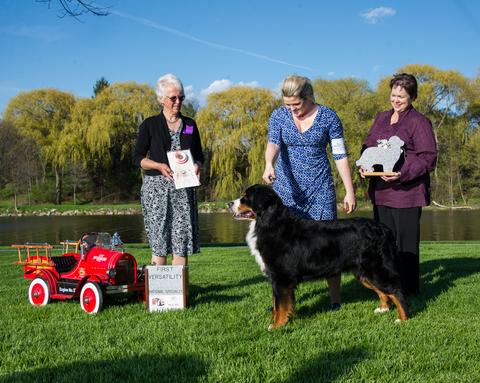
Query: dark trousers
column 405, row 224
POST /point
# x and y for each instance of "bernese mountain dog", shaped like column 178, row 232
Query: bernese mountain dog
column 290, row 250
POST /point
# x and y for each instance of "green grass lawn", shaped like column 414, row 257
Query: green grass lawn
column 223, row 337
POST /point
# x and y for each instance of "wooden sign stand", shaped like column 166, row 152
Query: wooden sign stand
column 165, row 288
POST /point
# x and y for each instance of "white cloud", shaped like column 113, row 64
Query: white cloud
column 251, row 84
column 189, row 93
column 372, row 16
column 215, row 87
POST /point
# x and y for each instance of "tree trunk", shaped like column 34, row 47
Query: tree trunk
column 462, row 194
column 450, row 187
column 58, row 186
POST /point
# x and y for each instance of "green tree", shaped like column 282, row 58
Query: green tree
column 102, row 135
column 19, row 157
column 356, row 105
column 233, row 128
column 42, row 115
column 100, row 85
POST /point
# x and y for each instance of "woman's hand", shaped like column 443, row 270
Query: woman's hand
column 362, row 171
column 165, row 170
column 392, row 178
column 349, row 203
column 197, row 167
column 269, row 174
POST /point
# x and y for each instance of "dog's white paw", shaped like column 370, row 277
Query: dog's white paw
column 398, row 321
column 270, row 328
column 380, row 310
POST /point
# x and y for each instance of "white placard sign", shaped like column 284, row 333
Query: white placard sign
column 181, row 163
column 165, row 288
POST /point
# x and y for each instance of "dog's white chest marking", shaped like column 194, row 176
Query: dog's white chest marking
column 252, row 244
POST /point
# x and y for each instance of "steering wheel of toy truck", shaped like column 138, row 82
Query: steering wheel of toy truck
column 39, row 292
column 91, row 298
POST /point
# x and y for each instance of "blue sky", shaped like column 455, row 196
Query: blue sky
column 212, row 45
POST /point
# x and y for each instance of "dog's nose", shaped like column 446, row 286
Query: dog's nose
column 229, row 204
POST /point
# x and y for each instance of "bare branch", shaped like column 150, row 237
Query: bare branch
column 76, row 8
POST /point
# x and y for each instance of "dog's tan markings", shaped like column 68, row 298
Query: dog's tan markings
column 283, row 308
column 402, row 314
column 383, row 297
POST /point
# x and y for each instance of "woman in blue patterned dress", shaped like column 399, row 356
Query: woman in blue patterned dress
column 296, row 159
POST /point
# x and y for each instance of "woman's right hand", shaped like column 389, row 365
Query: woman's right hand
column 269, row 174
column 361, row 170
column 166, row 171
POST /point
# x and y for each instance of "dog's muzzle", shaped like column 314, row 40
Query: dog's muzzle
column 239, row 213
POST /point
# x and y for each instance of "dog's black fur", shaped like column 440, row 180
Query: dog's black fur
column 294, row 250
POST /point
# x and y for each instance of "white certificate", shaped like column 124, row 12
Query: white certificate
column 181, row 163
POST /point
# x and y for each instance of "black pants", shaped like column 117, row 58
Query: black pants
column 405, row 224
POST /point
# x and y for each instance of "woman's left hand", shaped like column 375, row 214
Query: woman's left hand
column 349, row 203
column 197, row 168
column 391, row 178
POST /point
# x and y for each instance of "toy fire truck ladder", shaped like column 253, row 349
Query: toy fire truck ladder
column 29, row 254
column 67, row 243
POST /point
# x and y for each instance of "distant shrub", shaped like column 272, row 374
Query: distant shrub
column 43, row 192
column 7, row 192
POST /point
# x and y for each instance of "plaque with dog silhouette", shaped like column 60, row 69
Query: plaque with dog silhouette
column 385, row 154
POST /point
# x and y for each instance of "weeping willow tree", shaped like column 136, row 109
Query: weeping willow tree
column 42, row 115
column 233, row 128
column 356, row 105
column 101, row 135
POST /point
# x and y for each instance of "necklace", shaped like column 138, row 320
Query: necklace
column 172, row 120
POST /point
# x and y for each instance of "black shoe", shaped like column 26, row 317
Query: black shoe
column 409, row 293
column 335, row 306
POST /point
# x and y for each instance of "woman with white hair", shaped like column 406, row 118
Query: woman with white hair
column 170, row 215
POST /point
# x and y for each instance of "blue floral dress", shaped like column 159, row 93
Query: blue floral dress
column 303, row 176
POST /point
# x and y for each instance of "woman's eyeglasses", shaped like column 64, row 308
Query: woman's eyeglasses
column 174, row 99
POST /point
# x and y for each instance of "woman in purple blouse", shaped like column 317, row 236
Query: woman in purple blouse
column 398, row 199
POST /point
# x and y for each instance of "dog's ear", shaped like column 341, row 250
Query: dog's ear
column 261, row 197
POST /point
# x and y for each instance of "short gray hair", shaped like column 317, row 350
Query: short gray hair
column 168, row 81
column 298, row 86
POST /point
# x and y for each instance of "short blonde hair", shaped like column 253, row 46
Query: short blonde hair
column 298, row 86
column 167, row 81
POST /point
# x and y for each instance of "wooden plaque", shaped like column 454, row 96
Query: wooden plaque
column 379, row 174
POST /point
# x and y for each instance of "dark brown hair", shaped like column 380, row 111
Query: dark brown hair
column 407, row 82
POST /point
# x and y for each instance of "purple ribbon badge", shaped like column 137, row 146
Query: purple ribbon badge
column 188, row 129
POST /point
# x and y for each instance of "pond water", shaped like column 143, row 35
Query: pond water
column 215, row 228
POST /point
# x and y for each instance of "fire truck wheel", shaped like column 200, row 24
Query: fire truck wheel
column 39, row 292
column 91, row 298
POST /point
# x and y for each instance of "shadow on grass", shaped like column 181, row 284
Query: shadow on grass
column 213, row 293
column 328, row 367
column 437, row 276
column 144, row 368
